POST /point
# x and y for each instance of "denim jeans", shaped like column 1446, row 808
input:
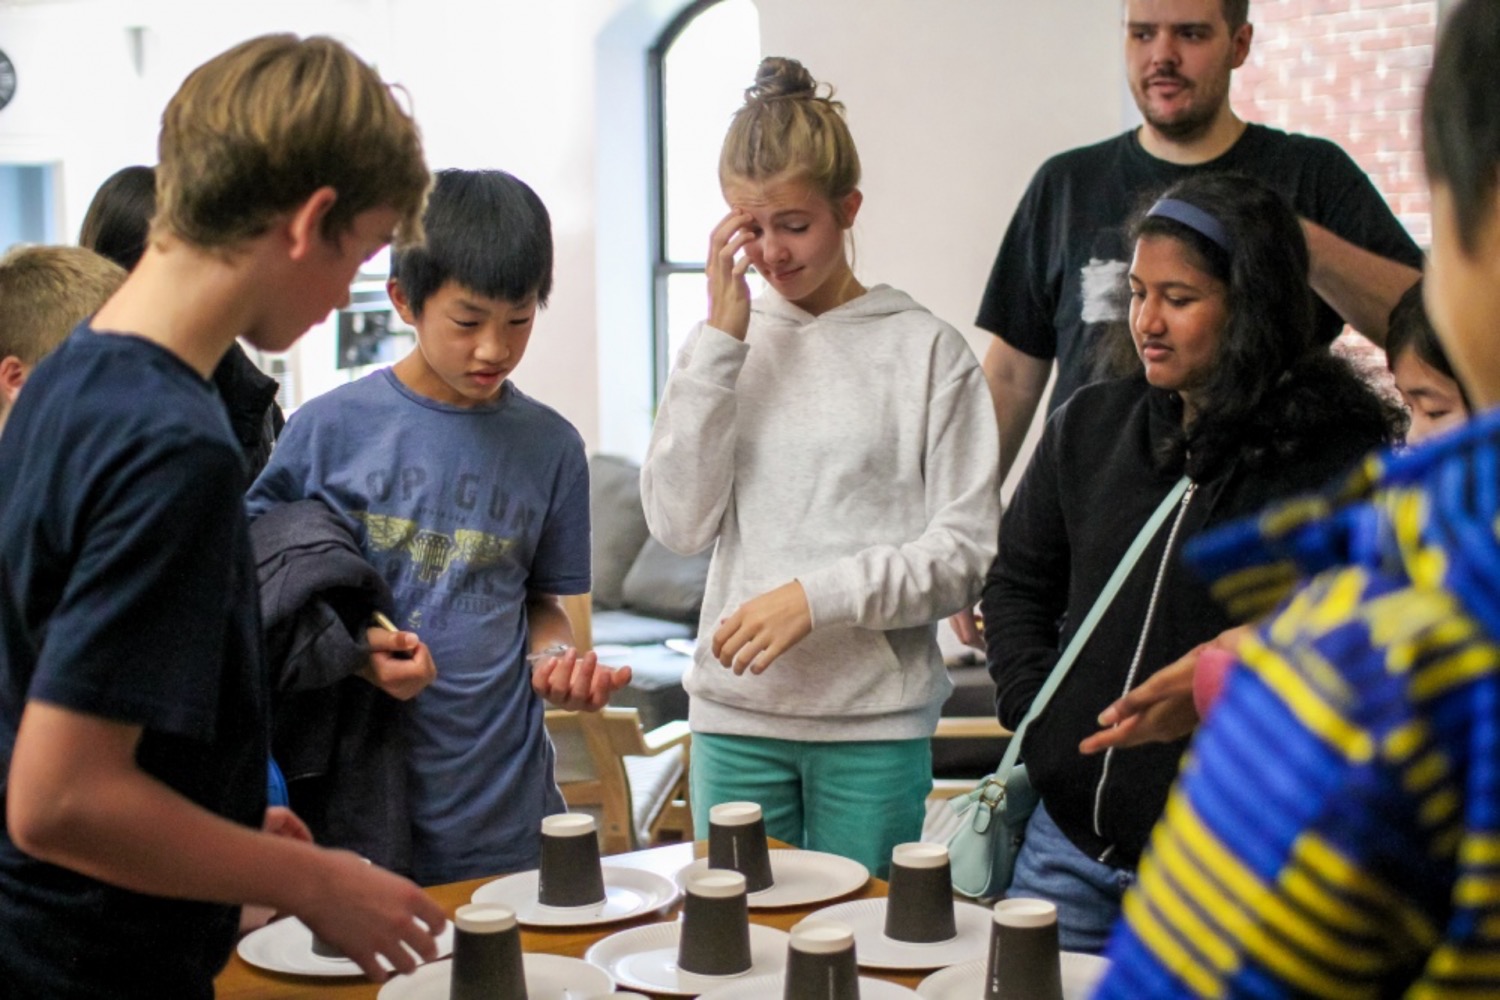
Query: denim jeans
column 1087, row 892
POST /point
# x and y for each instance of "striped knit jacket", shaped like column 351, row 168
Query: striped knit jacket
column 1335, row 831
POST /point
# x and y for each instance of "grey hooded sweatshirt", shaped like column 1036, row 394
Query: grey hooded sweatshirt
column 857, row 453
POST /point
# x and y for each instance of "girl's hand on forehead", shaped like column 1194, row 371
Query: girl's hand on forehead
column 728, row 292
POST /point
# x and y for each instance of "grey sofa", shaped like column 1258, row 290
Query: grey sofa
column 644, row 594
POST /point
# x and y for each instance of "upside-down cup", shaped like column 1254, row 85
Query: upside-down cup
column 570, row 873
column 737, row 841
column 820, row 962
column 1025, row 962
column 715, row 939
column 487, row 959
column 919, row 909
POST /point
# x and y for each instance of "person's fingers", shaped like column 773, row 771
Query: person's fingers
column 581, row 680
column 727, row 649
column 1116, row 736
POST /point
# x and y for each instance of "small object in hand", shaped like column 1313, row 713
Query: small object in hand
column 381, row 621
column 543, row 655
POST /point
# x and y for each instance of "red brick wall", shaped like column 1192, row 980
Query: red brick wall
column 1351, row 71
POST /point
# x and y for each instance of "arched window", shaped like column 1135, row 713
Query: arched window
column 700, row 67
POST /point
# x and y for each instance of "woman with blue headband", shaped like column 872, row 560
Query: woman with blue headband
column 1229, row 404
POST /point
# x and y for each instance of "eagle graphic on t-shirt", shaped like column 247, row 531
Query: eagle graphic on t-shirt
column 432, row 552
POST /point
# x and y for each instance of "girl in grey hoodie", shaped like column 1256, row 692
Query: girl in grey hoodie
column 837, row 444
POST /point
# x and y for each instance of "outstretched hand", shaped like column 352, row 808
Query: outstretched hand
column 577, row 681
column 1162, row 708
column 763, row 628
column 728, row 291
column 366, row 912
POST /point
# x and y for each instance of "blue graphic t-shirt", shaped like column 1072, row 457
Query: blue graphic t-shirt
column 464, row 512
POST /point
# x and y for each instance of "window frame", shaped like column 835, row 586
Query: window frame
column 662, row 269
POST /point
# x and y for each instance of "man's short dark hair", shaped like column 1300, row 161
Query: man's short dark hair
column 1461, row 114
column 485, row 230
column 1236, row 13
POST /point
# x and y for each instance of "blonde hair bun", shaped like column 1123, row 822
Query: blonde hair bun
column 786, row 125
column 780, row 78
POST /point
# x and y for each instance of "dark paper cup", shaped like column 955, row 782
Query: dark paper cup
column 323, row 949
column 715, row 938
column 570, row 874
column 1025, row 962
column 919, row 909
column 487, row 959
column 820, row 962
column 737, row 841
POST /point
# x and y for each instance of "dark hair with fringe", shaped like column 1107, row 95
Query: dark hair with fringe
column 1273, row 389
column 1461, row 114
column 118, row 220
column 486, row 231
column 1410, row 329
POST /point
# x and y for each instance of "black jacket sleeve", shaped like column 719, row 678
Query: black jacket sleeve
column 1026, row 590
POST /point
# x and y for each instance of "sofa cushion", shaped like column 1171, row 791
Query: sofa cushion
column 625, row 628
column 619, row 524
column 663, row 584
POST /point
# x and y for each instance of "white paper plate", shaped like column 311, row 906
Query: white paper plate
column 286, row 946
column 1080, row 974
column 866, row 917
column 628, row 892
column 548, row 977
column 801, row 878
column 770, row 987
column 645, row 958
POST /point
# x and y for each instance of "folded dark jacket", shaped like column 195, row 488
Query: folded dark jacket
column 338, row 739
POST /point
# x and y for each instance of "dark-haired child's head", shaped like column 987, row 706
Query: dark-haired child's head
column 1433, row 395
column 472, row 287
column 1461, row 144
column 118, row 220
column 486, row 231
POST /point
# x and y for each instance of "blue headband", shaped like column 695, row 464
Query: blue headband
column 1194, row 218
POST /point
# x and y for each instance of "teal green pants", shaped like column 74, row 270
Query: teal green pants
column 857, row 800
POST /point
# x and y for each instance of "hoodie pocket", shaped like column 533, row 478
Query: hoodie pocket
column 843, row 670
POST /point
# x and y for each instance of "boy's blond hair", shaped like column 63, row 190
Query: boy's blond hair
column 45, row 292
column 253, row 132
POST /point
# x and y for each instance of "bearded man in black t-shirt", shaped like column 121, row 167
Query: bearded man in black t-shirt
column 1058, row 281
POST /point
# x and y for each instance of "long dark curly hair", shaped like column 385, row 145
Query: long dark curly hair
column 1274, row 388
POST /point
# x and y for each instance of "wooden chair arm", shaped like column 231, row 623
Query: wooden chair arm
column 970, row 727
column 662, row 738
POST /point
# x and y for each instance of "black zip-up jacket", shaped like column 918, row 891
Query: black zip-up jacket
column 1094, row 480
column 338, row 738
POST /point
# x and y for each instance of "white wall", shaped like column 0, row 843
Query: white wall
column 953, row 102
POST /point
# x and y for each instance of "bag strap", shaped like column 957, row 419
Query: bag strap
column 1081, row 637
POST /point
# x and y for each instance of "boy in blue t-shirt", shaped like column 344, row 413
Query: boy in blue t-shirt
column 471, row 499
column 133, row 692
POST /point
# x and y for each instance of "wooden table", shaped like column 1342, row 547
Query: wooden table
column 241, row 981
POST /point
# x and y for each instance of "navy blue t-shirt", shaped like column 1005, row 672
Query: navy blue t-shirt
column 464, row 511
column 127, row 592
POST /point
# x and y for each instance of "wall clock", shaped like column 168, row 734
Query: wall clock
column 7, row 79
